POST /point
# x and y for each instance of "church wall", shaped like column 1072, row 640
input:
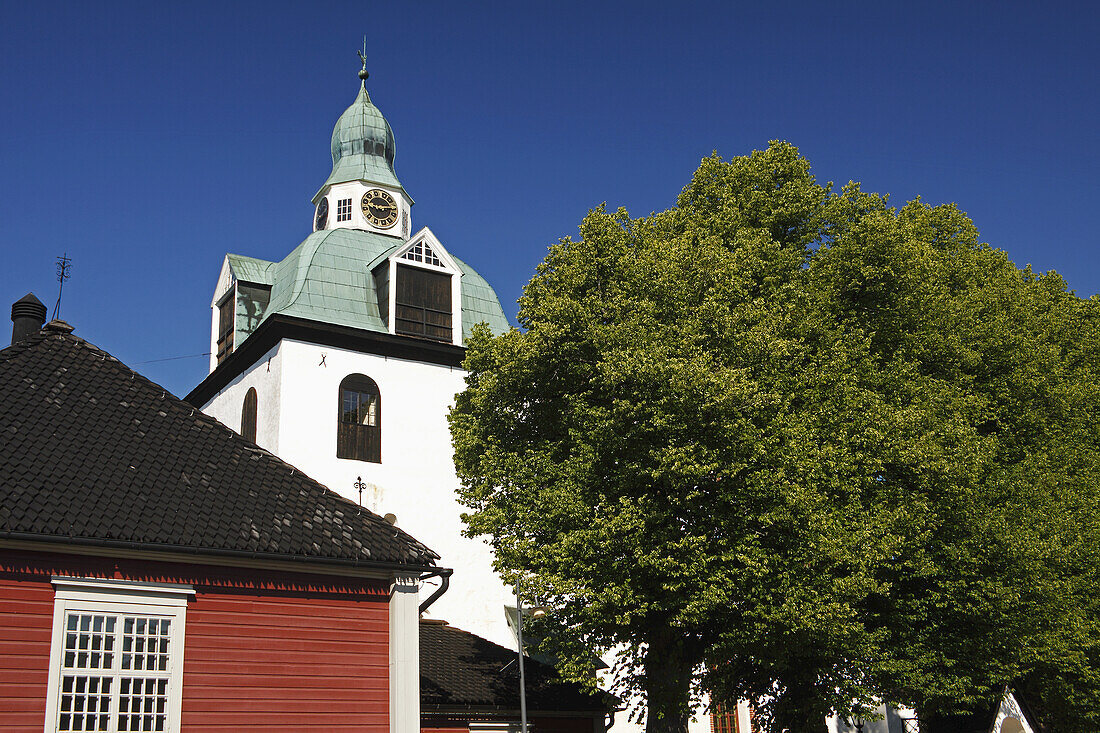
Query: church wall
column 415, row 480
column 266, row 377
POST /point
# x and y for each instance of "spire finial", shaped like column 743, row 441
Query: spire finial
column 363, row 57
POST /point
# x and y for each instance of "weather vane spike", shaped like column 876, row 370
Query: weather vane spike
column 64, row 271
column 363, row 57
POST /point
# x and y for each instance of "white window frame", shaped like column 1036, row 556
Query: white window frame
column 344, row 209
column 121, row 597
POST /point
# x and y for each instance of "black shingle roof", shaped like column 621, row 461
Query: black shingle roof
column 92, row 452
column 461, row 670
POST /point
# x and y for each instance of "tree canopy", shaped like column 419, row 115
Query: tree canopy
column 793, row 445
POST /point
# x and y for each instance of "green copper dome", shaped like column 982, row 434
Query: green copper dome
column 363, row 147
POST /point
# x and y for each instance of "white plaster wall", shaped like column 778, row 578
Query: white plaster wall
column 892, row 720
column 1010, row 717
column 415, row 480
column 265, row 376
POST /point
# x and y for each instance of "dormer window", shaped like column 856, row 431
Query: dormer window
column 343, row 210
column 419, row 290
column 423, row 302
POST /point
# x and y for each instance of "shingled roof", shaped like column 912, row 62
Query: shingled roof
column 459, row 670
column 91, row 452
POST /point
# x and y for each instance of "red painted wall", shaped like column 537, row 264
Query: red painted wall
column 263, row 650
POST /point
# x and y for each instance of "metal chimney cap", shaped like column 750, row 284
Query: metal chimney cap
column 28, row 307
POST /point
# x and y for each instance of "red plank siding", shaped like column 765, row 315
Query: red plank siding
column 262, row 649
column 26, row 617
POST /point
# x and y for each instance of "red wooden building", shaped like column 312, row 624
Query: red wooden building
column 158, row 572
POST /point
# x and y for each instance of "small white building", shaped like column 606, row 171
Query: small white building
column 343, row 359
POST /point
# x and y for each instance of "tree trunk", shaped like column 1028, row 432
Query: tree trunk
column 669, row 663
column 796, row 711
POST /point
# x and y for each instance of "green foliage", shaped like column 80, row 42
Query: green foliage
column 791, row 445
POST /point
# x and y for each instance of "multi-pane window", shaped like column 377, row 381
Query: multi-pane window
column 86, row 681
column 116, row 662
column 343, row 210
column 108, row 677
column 723, row 719
column 422, row 252
column 423, row 303
column 359, row 432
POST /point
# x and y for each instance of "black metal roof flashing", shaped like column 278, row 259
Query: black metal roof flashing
column 279, row 326
column 92, row 453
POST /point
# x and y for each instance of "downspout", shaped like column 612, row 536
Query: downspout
column 444, row 575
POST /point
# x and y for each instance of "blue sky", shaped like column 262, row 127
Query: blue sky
column 147, row 139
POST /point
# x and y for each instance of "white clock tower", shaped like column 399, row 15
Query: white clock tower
column 344, row 358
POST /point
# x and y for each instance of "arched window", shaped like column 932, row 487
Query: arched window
column 359, row 432
column 248, row 415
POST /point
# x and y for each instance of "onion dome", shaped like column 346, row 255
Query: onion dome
column 363, row 147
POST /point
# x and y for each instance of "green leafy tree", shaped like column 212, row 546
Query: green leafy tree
column 783, row 444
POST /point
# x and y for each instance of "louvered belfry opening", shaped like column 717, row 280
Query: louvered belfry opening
column 359, row 433
column 227, row 323
column 423, row 304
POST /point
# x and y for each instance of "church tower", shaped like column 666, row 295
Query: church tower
column 344, row 357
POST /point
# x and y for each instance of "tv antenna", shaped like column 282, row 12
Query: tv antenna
column 64, row 270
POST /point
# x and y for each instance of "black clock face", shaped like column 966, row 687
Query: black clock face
column 322, row 214
column 379, row 208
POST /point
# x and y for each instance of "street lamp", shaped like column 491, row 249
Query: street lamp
column 536, row 612
column 857, row 724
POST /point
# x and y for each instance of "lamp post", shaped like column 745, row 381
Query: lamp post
column 522, row 681
column 537, row 612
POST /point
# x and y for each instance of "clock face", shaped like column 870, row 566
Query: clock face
column 322, row 214
column 379, row 208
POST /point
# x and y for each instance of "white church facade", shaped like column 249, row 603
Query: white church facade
column 344, row 358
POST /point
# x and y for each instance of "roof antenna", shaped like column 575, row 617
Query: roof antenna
column 363, row 57
column 64, row 270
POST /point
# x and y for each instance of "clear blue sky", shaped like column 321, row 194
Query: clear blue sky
column 147, row 139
